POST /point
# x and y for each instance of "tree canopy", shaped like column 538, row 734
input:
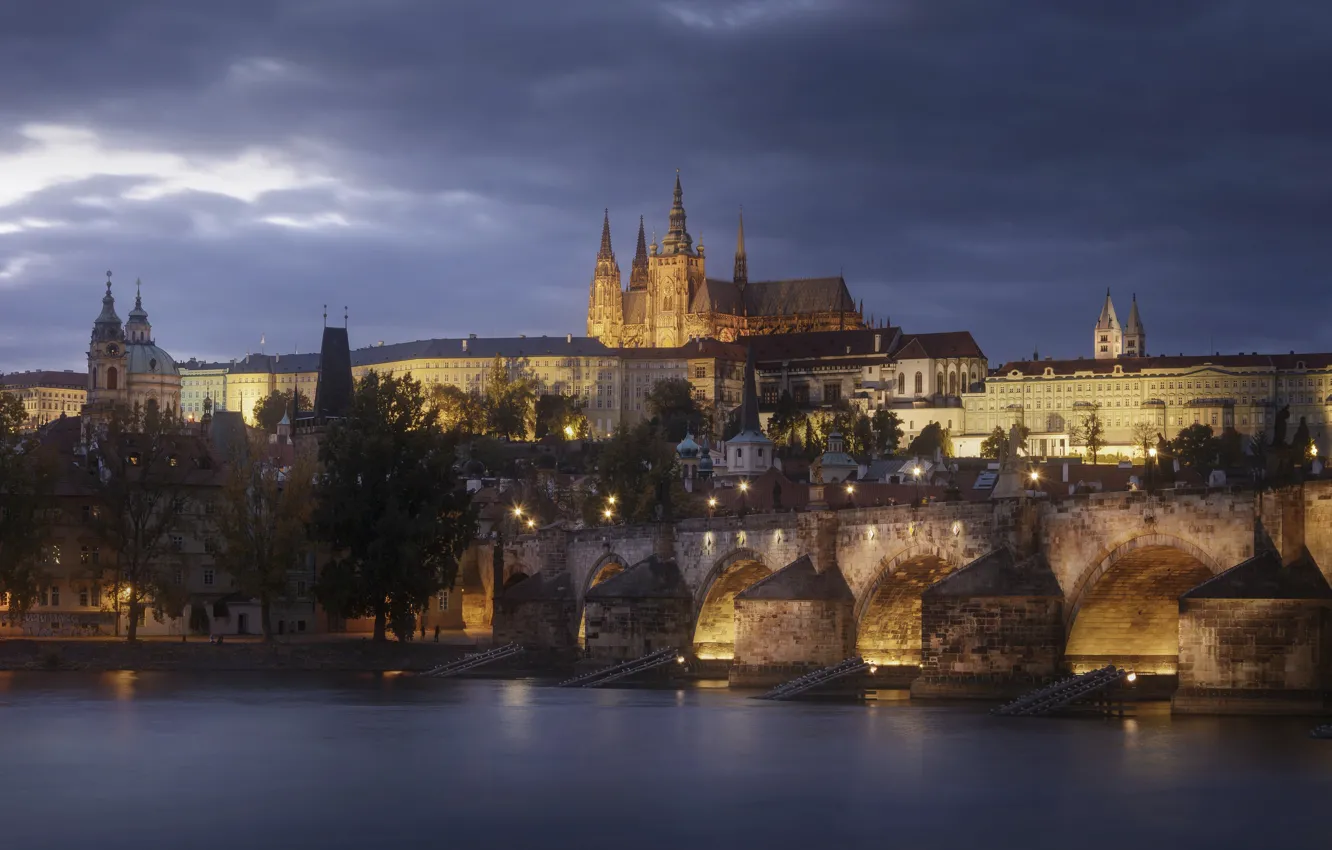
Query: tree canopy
column 262, row 517
column 269, row 410
column 931, row 439
column 1197, row 448
column 561, row 416
column 637, row 466
column 387, row 502
column 672, row 404
column 509, row 400
column 1089, row 432
column 27, row 478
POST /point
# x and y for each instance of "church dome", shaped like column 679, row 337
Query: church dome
column 145, row 358
column 687, row 447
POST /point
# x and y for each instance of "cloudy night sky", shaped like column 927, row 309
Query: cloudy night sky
column 440, row 166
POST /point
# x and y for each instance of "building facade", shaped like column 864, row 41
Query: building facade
column 126, row 368
column 47, row 395
column 671, row 300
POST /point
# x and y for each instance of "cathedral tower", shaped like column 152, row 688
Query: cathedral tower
column 605, row 311
column 676, row 272
column 1109, row 335
column 638, row 272
column 1135, row 335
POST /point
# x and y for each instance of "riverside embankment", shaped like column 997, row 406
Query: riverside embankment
column 340, row 654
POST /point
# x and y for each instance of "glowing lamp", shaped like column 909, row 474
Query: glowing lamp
column 744, row 486
column 1132, row 677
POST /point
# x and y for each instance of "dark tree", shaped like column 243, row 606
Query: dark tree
column 786, row 423
column 388, row 504
column 672, row 404
column 561, row 416
column 633, row 467
column 150, row 482
column 1089, row 432
column 933, row 437
column 269, row 410
column 27, row 479
column 462, row 412
column 1197, row 448
column 887, row 432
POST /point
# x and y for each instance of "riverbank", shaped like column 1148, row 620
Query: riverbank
column 334, row 654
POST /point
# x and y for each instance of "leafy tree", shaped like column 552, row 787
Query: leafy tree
column 146, row 471
column 27, row 479
column 561, row 416
column 887, row 432
column 813, row 448
column 996, row 445
column 1197, row 448
column 1144, row 437
column 861, row 441
column 671, row 402
column 1089, row 432
column 460, row 411
column 786, row 423
column 269, row 410
column 637, row 467
column 509, row 399
column 933, row 437
column 387, row 502
column 261, row 518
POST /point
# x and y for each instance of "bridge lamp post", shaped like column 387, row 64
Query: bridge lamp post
column 915, row 473
column 1151, row 467
column 744, row 505
column 851, row 495
column 1035, row 477
column 712, row 505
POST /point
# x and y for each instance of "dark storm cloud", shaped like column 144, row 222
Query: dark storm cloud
column 440, row 167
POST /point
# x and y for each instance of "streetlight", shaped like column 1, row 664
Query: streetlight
column 712, row 505
column 531, row 523
column 611, row 498
column 744, row 486
column 518, row 511
column 915, row 473
column 608, row 513
column 568, row 432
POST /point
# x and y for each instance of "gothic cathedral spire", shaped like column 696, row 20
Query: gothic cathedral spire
column 678, row 240
column 605, row 310
column 741, row 276
column 638, row 272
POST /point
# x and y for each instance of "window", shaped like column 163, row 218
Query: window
column 83, row 597
column 178, row 576
column 95, row 596
column 920, row 384
column 901, row 383
column 55, row 596
column 700, row 371
column 300, row 588
column 739, row 454
column 832, row 393
column 210, row 545
column 177, row 542
column 444, row 600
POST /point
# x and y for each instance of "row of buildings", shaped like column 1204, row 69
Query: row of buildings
column 936, row 377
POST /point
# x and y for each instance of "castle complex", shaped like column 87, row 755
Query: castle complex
column 671, row 299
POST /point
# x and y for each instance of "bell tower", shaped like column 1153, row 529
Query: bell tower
column 107, row 357
column 605, row 310
column 675, row 273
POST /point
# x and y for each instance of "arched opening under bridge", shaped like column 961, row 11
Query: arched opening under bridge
column 888, row 622
column 714, row 626
column 1126, row 611
column 607, row 567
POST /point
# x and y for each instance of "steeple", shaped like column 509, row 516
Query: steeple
column 605, row 253
column 605, row 310
column 1135, row 335
column 741, row 276
column 678, row 240
column 1108, row 335
column 638, row 272
column 137, row 329
column 107, row 324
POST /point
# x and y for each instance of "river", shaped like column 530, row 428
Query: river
column 243, row 761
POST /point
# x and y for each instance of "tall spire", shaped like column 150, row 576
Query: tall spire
column 1107, row 320
column 638, row 272
column 678, row 240
column 741, row 276
column 605, row 253
column 749, row 408
column 1134, row 325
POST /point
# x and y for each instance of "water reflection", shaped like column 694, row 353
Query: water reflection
column 367, row 761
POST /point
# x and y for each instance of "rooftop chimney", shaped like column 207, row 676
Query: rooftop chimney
column 464, row 342
column 878, row 342
column 568, row 338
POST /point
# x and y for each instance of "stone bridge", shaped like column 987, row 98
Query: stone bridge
column 963, row 593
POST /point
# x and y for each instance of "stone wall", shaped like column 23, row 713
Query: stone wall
column 1254, row 644
column 991, row 637
column 776, row 639
column 620, row 629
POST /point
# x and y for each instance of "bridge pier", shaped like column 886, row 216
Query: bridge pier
column 644, row 608
column 990, row 629
column 796, row 620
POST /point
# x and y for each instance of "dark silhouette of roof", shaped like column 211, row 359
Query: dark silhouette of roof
column 773, row 297
column 651, row 578
column 799, row 580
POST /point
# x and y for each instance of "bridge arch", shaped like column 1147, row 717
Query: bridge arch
column 607, row 566
column 714, row 601
column 888, row 612
column 1124, row 607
